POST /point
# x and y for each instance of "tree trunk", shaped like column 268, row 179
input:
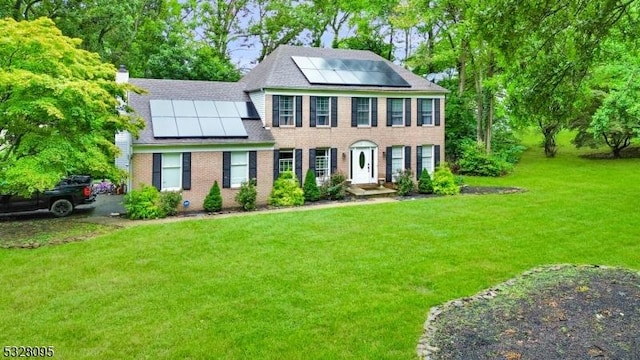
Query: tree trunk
column 462, row 67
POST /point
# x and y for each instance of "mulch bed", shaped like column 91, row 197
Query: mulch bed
column 556, row 312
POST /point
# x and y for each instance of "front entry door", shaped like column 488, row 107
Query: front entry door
column 363, row 167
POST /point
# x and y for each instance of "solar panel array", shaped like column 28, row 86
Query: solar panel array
column 348, row 72
column 187, row 118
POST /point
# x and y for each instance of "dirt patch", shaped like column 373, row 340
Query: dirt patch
column 628, row 153
column 557, row 312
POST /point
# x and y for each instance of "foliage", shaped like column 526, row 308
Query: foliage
column 144, row 203
column 444, row 183
column 310, row 187
column 425, row 184
column 247, row 195
column 169, row 202
column 286, row 191
column 335, row 188
column 59, row 107
column 404, row 182
column 476, row 161
column 213, row 200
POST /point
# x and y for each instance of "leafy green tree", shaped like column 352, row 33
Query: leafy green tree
column 213, row 200
column 310, row 187
column 60, row 109
column 425, row 185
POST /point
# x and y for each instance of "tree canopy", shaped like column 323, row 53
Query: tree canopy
column 59, row 108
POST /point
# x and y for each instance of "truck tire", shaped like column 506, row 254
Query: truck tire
column 61, row 208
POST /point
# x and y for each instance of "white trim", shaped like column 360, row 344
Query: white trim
column 150, row 149
column 413, row 94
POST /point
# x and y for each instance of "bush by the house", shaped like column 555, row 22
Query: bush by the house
column 310, row 188
column 425, row 186
column 247, row 195
column 286, row 191
column 169, row 201
column 404, row 182
column 336, row 187
column 144, row 203
column 476, row 161
column 444, row 183
column 213, row 200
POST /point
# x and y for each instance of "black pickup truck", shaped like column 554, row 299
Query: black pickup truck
column 61, row 200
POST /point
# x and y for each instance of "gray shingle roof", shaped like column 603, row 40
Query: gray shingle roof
column 192, row 90
column 278, row 71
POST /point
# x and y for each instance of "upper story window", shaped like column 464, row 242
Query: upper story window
column 286, row 111
column 429, row 112
column 396, row 111
column 322, row 111
column 363, row 111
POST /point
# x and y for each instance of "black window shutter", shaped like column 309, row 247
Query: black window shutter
column 407, row 112
column 418, row 161
column 312, row 160
column 389, row 121
column 407, row 157
column 226, row 169
column 298, row 160
column 354, row 112
column 436, row 112
column 436, row 155
column 374, row 112
column 276, row 167
column 334, row 111
column 312, row 111
column 388, row 165
column 157, row 171
column 253, row 165
column 419, row 119
column 275, row 104
column 298, row 111
column 186, row 171
column 334, row 160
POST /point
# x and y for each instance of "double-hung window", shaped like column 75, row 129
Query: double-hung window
column 285, row 162
column 322, row 111
column 322, row 165
column 397, row 112
column 397, row 161
column 239, row 168
column 363, row 111
column 171, row 171
column 286, row 111
column 427, row 158
column 426, row 111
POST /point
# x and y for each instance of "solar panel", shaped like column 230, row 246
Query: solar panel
column 212, row 127
column 233, row 127
column 186, row 118
column 348, row 72
column 188, row 127
column 164, row 126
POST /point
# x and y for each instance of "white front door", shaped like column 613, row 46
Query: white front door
column 363, row 164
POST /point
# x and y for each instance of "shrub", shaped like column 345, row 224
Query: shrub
column 425, row 186
column 144, row 203
column 286, row 191
column 247, row 195
column 476, row 161
column 444, row 183
column 169, row 202
column 213, row 201
column 336, row 187
column 404, row 182
column 310, row 188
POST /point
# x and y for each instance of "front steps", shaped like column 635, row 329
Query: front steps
column 370, row 191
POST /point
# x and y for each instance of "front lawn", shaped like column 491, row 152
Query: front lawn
column 354, row 282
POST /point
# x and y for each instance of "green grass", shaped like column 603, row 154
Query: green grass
column 354, row 282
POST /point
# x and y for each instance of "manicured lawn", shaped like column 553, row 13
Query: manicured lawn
column 354, row 282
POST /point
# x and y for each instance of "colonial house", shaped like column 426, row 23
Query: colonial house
column 330, row 110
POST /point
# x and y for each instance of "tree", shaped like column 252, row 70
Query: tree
column 617, row 121
column 60, row 109
column 213, row 200
column 310, row 188
column 425, row 186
